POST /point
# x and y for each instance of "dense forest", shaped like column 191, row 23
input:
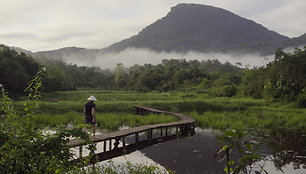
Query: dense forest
column 282, row 79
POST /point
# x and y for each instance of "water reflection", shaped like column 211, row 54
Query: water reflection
column 196, row 154
column 288, row 148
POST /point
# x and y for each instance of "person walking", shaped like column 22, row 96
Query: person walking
column 90, row 113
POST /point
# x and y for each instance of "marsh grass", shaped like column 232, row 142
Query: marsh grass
column 112, row 121
column 107, row 96
column 178, row 105
column 250, row 119
column 105, row 121
column 54, row 120
column 115, row 109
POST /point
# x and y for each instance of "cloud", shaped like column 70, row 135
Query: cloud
column 18, row 35
column 132, row 56
column 98, row 24
column 287, row 19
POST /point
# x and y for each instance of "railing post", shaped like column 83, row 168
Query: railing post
column 137, row 138
column 166, row 131
column 116, row 144
column 123, row 141
column 150, row 134
column 80, row 151
column 104, row 146
column 161, row 133
column 110, row 144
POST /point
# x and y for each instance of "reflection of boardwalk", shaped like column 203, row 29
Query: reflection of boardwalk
column 110, row 141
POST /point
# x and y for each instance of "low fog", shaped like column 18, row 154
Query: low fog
column 132, row 56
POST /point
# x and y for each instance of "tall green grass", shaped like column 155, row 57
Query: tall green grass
column 54, row 120
column 115, row 108
column 105, row 121
column 182, row 105
column 242, row 120
column 107, row 96
column 113, row 121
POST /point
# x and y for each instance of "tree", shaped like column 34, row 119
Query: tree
column 121, row 76
column 25, row 149
column 16, row 69
column 287, row 74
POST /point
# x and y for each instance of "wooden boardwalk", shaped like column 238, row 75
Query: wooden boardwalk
column 184, row 127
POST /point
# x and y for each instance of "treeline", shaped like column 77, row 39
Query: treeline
column 168, row 75
column 284, row 78
column 62, row 76
column 16, row 69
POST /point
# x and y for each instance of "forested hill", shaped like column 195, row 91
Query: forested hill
column 201, row 28
column 16, row 69
column 70, row 54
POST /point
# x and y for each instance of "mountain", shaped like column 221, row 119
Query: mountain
column 66, row 52
column 294, row 42
column 200, row 28
column 19, row 50
column 190, row 27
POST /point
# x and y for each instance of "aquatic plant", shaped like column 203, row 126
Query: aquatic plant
column 248, row 161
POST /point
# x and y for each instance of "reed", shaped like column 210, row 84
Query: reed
column 105, row 121
column 260, row 119
column 115, row 109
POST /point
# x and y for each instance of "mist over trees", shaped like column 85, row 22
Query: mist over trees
column 284, row 78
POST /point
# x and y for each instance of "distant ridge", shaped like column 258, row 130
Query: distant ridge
column 62, row 53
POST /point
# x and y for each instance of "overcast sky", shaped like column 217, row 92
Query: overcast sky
column 51, row 24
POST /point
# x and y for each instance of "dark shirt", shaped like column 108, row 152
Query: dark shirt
column 88, row 108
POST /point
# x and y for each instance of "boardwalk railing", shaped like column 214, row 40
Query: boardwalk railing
column 153, row 134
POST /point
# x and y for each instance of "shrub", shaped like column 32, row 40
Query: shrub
column 25, row 149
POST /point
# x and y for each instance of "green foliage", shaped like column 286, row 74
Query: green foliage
column 282, row 79
column 302, row 98
column 252, row 83
column 256, row 118
column 249, row 151
column 168, row 75
column 16, row 69
column 24, row 149
column 114, row 109
column 105, row 121
column 286, row 75
column 54, row 120
column 112, row 121
column 121, row 76
column 128, row 168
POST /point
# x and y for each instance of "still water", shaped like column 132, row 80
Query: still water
column 197, row 154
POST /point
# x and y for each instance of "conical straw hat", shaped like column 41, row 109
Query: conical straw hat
column 92, row 98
